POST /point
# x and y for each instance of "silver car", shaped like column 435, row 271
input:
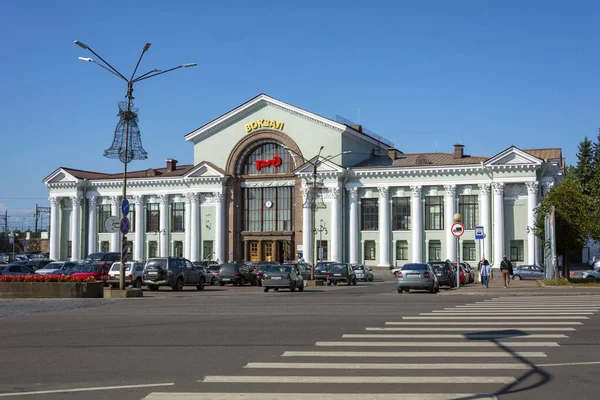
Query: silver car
column 417, row 276
column 363, row 273
column 528, row 272
column 592, row 275
column 286, row 276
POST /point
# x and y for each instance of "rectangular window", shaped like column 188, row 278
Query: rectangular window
column 369, row 250
column 517, row 252
column 177, row 217
column 103, row 214
column 369, row 211
column 104, row 246
column 322, row 250
column 131, row 217
column 402, row 250
column 178, row 248
column 434, row 213
column 284, row 209
column 152, row 249
column 269, row 206
column 268, row 209
column 152, row 218
column 129, row 249
column 69, row 249
column 401, row 213
column 469, row 211
column 435, row 250
column 469, row 250
column 208, row 250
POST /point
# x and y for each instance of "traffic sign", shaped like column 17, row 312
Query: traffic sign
column 479, row 233
column 457, row 229
column 11, row 240
column 112, row 224
column 125, row 225
column 24, row 243
column 125, row 207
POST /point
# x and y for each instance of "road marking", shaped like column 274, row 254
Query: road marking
column 461, row 366
column 317, row 396
column 356, row 379
column 439, row 344
column 88, row 389
column 393, row 354
column 569, row 364
column 483, row 323
column 483, row 312
column 511, row 317
column 486, row 335
column 521, row 306
column 470, row 328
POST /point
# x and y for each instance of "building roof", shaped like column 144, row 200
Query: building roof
column 180, row 170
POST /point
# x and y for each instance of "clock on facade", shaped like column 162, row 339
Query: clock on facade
column 268, row 204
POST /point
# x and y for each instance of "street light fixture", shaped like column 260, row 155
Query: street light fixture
column 457, row 218
column 117, row 150
column 313, row 196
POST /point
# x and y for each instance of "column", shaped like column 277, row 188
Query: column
column 449, row 211
column 163, row 236
column 54, row 228
column 336, row 225
column 498, row 188
column 354, row 229
column 484, row 219
column 307, row 225
column 140, row 244
column 115, row 210
column 417, row 225
column 93, row 224
column 187, row 241
column 532, row 193
column 219, row 223
column 384, row 226
column 195, row 253
column 75, row 224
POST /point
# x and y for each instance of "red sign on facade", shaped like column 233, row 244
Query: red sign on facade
column 274, row 162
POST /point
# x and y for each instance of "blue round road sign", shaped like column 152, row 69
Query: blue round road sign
column 125, row 225
column 125, row 207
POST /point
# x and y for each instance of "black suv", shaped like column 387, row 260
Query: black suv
column 445, row 273
column 175, row 272
column 238, row 274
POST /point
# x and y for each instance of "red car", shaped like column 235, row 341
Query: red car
column 98, row 271
column 462, row 274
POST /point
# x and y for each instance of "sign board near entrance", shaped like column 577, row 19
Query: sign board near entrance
column 275, row 162
column 264, row 123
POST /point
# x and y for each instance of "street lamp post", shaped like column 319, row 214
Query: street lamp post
column 127, row 154
column 457, row 218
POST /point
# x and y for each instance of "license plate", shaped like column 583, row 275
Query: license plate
column 225, row 279
column 152, row 273
column 438, row 273
column 413, row 275
column 275, row 277
column 337, row 274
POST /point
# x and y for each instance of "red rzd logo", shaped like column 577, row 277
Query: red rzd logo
column 275, row 162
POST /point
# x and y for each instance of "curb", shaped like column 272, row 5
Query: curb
column 504, row 294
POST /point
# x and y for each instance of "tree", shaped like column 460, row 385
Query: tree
column 573, row 217
column 584, row 171
column 596, row 153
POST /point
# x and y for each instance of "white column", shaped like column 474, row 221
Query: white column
column 219, row 223
column 307, row 228
column 484, row 219
column 54, row 228
column 353, row 229
column 75, row 226
column 93, row 224
column 417, row 225
column 195, row 228
column 187, row 242
column 498, row 222
column 336, row 225
column 449, row 211
column 532, row 193
column 139, row 244
column 384, row 226
column 115, row 210
column 163, row 236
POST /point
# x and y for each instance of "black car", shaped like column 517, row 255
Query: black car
column 175, row 272
column 445, row 273
column 321, row 270
column 340, row 272
column 237, row 274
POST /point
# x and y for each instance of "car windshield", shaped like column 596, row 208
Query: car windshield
column 91, row 268
column 115, row 267
column 358, row 268
column 93, row 257
column 415, row 267
column 228, row 268
column 53, row 266
column 338, row 268
column 283, row 269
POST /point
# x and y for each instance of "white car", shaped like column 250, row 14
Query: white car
column 57, row 267
column 133, row 274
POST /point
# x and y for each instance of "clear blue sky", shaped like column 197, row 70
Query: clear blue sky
column 425, row 75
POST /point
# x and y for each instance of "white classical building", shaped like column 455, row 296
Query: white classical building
column 248, row 196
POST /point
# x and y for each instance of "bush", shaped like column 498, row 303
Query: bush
column 43, row 278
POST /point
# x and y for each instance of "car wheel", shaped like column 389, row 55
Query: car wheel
column 293, row 287
column 354, row 282
column 437, row 289
column 259, row 282
column 517, row 277
column 254, row 282
column 213, row 281
column 301, row 288
column 152, row 288
column 202, row 284
column 329, row 283
column 138, row 283
column 431, row 289
column 407, row 290
column 335, row 282
column 276, row 289
column 589, row 279
column 266, row 289
column 399, row 290
column 221, row 284
column 178, row 286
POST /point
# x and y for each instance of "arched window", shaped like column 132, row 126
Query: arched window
column 268, row 158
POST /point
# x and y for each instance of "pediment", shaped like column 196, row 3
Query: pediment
column 323, row 166
column 60, row 176
column 204, row 170
column 513, row 156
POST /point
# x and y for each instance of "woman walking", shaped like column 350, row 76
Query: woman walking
column 506, row 268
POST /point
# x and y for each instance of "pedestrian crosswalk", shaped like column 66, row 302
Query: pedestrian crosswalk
column 466, row 351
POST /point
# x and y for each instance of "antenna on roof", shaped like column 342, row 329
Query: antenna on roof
column 358, row 115
column 436, row 146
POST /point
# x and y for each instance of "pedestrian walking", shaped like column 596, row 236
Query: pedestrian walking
column 506, row 269
column 479, row 267
column 486, row 272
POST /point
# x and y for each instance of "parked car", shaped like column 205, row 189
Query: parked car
column 107, row 258
column 528, row 272
column 363, row 273
column 592, row 275
column 14, row 269
column 56, row 268
column 38, row 263
column 463, row 277
column 321, row 270
column 210, row 277
column 469, row 272
column 237, row 274
column 98, row 271
column 444, row 272
column 417, row 276
column 340, row 272
column 282, row 276
column 175, row 272
column 133, row 274
column 4, row 258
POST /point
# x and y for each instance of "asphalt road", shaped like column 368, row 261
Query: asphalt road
column 240, row 340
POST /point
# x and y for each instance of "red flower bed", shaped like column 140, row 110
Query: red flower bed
column 43, row 278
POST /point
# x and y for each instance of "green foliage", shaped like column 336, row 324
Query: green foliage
column 584, row 171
